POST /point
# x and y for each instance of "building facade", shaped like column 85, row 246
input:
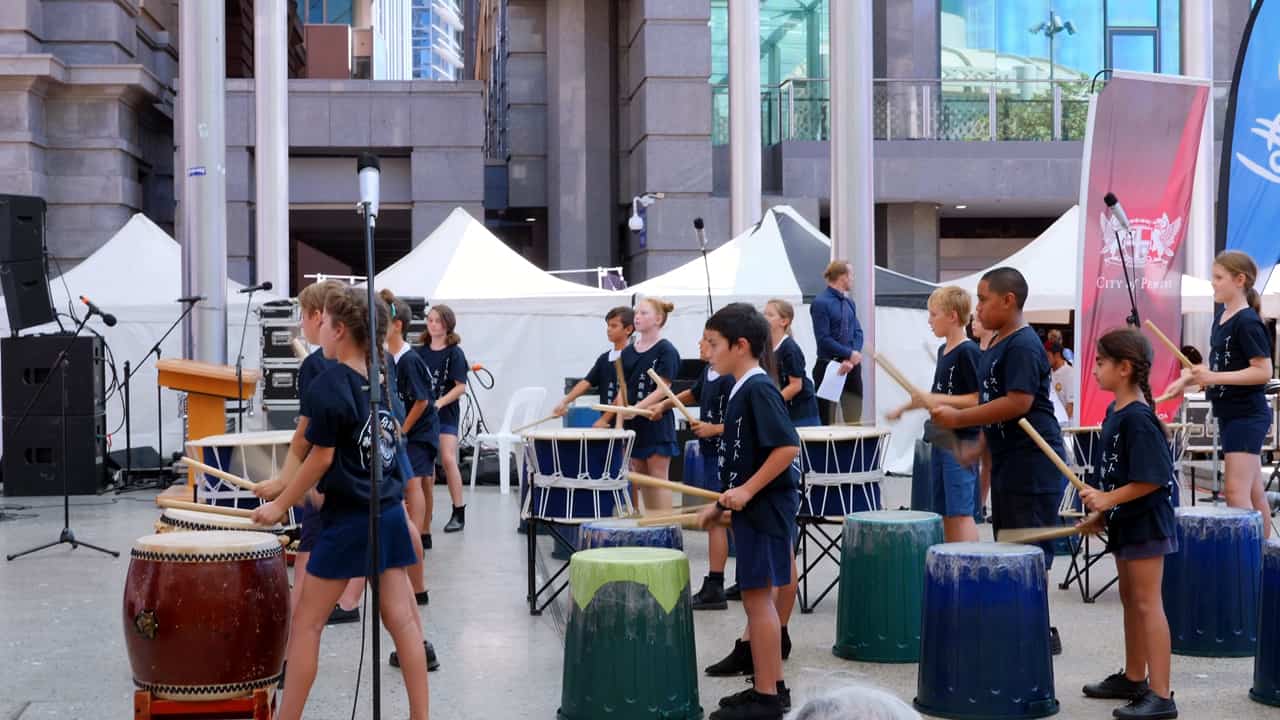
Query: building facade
column 979, row 110
column 437, row 40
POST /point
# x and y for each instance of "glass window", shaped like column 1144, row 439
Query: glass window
column 1010, row 39
column 1171, row 36
column 338, row 12
column 1133, row 50
column 1132, row 13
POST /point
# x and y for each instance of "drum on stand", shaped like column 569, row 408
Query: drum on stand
column 576, row 475
column 206, row 614
column 254, row 456
column 181, row 520
column 841, row 468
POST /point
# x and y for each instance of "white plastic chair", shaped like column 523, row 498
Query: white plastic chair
column 521, row 411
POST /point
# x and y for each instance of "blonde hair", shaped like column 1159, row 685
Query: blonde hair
column 785, row 309
column 1238, row 263
column 952, row 298
column 836, row 269
column 315, row 296
column 662, row 307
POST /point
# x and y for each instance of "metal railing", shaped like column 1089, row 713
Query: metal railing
column 933, row 109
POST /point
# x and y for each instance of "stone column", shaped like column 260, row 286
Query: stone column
column 1197, row 61
column 744, row 116
column 271, row 142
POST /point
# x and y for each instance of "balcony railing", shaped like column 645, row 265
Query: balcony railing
column 951, row 110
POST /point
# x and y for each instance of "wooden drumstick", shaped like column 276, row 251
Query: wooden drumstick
column 902, row 381
column 166, row 502
column 621, row 410
column 1186, row 363
column 650, row 481
column 1039, row 534
column 666, row 389
column 299, row 350
column 621, row 399
column 236, row 480
column 1049, row 453
column 533, row 424
column 676, row 519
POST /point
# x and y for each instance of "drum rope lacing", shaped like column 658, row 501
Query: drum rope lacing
column 617, row 485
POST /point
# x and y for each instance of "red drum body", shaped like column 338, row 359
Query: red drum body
column 206, row 614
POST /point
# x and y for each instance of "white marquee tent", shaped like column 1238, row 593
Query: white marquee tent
column 137, row 276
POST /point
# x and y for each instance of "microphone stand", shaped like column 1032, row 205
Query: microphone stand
column 128, row 413
column 244, row 327
column 375, row 463
column 1133, row 300
column 66, row 536
column 706, row 265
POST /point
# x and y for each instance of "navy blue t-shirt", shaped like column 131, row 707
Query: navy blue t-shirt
column 957, row 374
column 663, row 359
column 1018, row 363
column 1134, row 449
column 756, row 422
column 604, row 377
column 1232, row 345
column 447, row 367
column 790, row 358
column 313, row 366
column 413, row 384
column 713, row 396
column 339, row 403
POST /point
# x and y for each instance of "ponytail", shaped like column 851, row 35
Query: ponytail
column 1254, row 299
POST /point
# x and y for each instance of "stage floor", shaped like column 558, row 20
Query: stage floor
column 61, row 635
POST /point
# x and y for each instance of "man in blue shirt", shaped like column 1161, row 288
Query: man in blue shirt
column 839, row 335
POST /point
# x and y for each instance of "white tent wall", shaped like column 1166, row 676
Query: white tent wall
column 136, row 276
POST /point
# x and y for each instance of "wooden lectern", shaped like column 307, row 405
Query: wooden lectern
column 208, row 388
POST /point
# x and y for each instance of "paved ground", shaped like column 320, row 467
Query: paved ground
column 62, row 650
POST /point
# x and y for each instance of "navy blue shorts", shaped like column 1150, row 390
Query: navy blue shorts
column 763, row 560
column 448, row 429
column 341, row 549
column 311, row 525
column 422, row 459
column 953, row 484
column 1244, row 434
column 668, row 449
column 1009, row 511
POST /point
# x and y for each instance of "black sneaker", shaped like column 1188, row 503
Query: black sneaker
column 342, row 617
column 786, row 643
column 422, row 597
column 751, row 705
column 1148, row 706
column 784, row 695
column 737, row 662
column 711, row 596
column 426, row 541
column 1116, row 687
column 433, row 663
column 458, row 519
column 733, row 592
column 1055, row 642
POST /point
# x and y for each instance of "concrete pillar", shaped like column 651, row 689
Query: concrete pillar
column 911, row 239
column 1197, row 61
column 744, row 116
column 579, row 137
column 202, row 77
column 271, row 142
column 852, row 192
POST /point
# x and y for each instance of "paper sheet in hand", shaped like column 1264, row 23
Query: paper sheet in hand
column 833, row 382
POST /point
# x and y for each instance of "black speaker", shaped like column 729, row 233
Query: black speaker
column 34, row 462
column 21, row 228
column 26, row 361
column 27, row 299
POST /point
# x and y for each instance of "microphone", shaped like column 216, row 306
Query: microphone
column 107, row 318
column 368, row 170
column 190, row 299
column 700, row 233
column 1117, row 211
column 254, row 288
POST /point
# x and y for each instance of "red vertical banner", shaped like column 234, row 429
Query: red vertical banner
column 1142, row 142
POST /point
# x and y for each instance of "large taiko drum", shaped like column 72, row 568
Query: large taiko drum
column 182, row 520
column 206, row 613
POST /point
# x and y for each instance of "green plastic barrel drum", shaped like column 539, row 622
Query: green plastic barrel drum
column 629, row 647
column 881, row 584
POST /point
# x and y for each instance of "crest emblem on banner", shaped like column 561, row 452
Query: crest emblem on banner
column 1147, row 242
